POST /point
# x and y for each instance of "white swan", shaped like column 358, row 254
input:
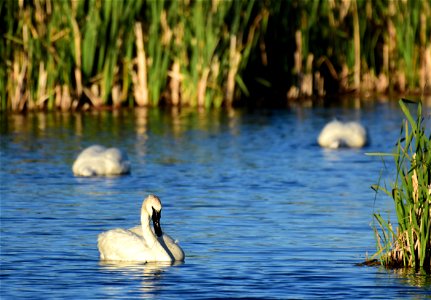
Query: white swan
column 141, row 243
column 98, row 161
column 336, row 134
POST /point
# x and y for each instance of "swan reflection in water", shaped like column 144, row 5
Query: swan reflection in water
column 150, row 273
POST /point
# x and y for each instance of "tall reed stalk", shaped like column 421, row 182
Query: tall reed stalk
column 409, row 244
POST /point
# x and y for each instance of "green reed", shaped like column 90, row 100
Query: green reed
column 217, row 37
column 69, row 54
column 75, row 54
column 64, row 54
column 409, row 245
column 363, row 46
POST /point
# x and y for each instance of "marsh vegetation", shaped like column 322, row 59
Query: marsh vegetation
column 92, row 53
column 409, row 243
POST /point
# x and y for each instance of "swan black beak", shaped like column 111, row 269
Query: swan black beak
column 156, row 222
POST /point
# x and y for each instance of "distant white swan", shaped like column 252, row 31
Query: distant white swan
column 141, row 243
column 337, row 134
column 98, row 161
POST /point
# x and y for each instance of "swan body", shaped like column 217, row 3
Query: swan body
column 99, row 161
column 166, row 240
column 141, row 243
column 337, row 134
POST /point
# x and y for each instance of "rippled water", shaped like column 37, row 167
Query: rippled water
column 260, row 210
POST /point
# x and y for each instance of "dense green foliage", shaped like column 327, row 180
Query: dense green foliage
column 75, row 54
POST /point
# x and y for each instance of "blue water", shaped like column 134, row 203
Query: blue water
column 259, row 209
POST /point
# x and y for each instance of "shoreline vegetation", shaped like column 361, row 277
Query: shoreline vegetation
column 82, row 54
column 409, row 244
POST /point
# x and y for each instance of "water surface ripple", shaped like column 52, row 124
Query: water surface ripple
column 260, row 210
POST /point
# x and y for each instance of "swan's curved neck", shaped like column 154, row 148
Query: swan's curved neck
column 147, row 233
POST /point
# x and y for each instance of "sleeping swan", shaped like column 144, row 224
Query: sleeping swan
column 98, row 161
column 337, row 134
column 141, row 243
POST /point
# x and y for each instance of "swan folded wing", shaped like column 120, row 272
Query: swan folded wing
column 137, row 230
column 123, row 245
column 166, row 237
column 97, row 160
column 336, row 134
column 168, row 243
column 89, row 167
column 117, row 161
column 92, row 166
column 355, row 135
column 330, row 135
column 173, row 248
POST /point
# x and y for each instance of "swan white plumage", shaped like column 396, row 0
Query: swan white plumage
column 98, row 161
column 141, row 243
column 337, row 134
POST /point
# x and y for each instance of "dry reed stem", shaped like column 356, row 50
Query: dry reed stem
column 42, row 94
column 63, row 99
column 175, row 82
column 401, row 80
column 57, row 96
column 93, row 94
column 214, row 5
column 307, row 80
column 367, row 84
column 234, row 60
column 415, row 185
column 386, row 59
column 344, row 77
column 391, row 44
column 215, row 70
column 66, row 99
column 20, row 96
column 382, row 83
column 202, row 86
column 357, row 47
column 343, row 10
column 293, row 92
column 298, row 53
column 320, row 84
column 215, row 67
column 116, row 95
column 427, row 65
column 423, row 64
column 140, row 79
column 78, row 57
column 167, row 32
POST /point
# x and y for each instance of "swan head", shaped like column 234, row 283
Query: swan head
column 152, row 206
